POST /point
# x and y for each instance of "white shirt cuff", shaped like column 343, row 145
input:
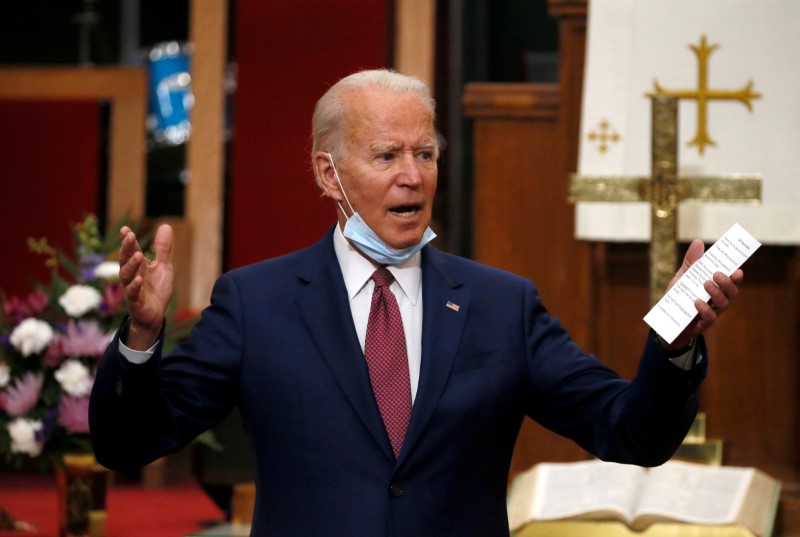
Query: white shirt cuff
column 689, row 359
column 136, row 357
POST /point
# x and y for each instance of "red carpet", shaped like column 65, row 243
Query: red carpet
column 133, row 511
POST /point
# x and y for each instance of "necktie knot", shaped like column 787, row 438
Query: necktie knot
column 382, row 277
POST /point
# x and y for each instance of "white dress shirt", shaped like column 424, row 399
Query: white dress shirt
column 407, row 288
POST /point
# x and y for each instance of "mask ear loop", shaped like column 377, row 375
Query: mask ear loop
column 336, row 174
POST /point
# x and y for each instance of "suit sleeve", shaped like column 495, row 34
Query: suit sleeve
column 140, row 412
column 642, row 421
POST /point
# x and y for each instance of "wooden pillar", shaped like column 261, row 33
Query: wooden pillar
column 571, row 15
column 415, row 31
column 206, row 149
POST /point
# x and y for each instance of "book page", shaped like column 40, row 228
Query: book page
column 760, row 505
column 571, row 489
column 693, row 493
column 676, row 309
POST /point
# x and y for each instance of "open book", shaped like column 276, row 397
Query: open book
column 675, row 492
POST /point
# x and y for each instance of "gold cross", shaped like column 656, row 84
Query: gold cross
column 703, row 94
column 603, row 135
column 664, row 190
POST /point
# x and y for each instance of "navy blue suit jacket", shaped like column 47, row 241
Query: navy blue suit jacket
column 278, row 341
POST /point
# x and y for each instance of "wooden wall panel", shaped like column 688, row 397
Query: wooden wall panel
column 752, row 390
column 621, row 298
column 522, row 221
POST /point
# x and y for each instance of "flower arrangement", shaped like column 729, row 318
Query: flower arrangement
column 50, row 344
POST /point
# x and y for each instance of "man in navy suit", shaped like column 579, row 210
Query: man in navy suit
column 284, row 341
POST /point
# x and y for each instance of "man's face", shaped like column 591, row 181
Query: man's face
column 389, row 173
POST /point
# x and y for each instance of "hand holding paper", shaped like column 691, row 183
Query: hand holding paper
column 703, row 287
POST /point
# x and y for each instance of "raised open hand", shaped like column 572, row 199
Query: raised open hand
column 148, row 285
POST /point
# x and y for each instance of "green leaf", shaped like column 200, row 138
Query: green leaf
column 209, row 439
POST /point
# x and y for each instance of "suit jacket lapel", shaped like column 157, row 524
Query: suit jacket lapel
column 442, row 325
column 326, row 311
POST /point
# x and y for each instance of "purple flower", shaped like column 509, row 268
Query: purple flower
column 15, row 310
column 73, row 414
column 84, row 338
column 48, row 424
column 88, row 263
column 24, row 394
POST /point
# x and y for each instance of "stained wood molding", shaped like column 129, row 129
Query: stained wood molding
column 125, row 89
column 511, row 100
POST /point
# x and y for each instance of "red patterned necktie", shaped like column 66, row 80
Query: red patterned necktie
column 387, row 359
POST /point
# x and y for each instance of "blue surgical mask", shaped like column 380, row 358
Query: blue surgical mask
column 368, row 242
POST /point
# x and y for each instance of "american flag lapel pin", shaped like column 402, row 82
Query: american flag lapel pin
column 453, row 306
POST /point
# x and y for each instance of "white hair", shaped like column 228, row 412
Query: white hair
column 327, row 132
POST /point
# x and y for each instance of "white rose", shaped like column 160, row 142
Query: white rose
column 31, row 336
column 23, row 436
column 108, row 271
column 74, row 378
column 79, row 300
column 5, row 375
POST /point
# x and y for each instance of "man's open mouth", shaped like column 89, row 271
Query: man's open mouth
column 405, row 210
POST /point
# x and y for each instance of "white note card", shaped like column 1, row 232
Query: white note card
column 676, row 309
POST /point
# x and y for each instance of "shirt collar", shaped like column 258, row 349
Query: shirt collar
column 357, row 270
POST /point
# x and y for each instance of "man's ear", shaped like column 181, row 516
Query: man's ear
column 326, row 178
